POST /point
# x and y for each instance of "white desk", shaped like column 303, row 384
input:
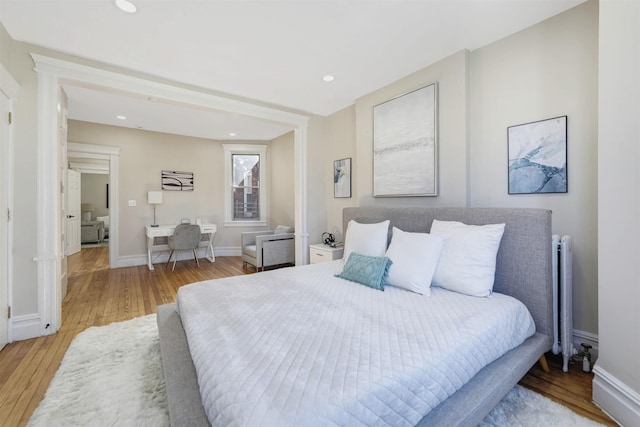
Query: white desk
column 167, row 230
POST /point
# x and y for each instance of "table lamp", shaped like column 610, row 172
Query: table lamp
column 87, row 209
column 154, row 198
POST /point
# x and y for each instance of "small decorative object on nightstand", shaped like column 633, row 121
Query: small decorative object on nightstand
column 322, row 253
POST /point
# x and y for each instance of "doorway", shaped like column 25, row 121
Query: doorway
column 52, row 73
column 98, row 167
column 95, row 213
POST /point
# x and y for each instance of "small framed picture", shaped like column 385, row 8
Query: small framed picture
column 342, row 178
column 538, row 157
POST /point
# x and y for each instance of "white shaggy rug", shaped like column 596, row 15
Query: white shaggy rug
column 112, row 376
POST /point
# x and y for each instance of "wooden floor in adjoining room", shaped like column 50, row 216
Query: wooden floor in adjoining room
column 98, row 296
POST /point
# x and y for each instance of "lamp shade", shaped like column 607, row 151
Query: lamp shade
column 155, row 197
column 87, row 207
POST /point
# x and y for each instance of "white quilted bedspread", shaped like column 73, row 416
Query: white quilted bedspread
column 299, row 347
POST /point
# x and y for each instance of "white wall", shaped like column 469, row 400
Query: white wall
column 341, row 134
column 143, row 157
column 317, row 163
column 281, row 184
column 545, row 71
column 15, row 56
column 5, row 47
column 24, row 288
column 616, row 386
column 450, row 73
column 93, row 189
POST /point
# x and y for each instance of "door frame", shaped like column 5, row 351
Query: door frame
column 9, row 86
column 51, row 73
column 77, row 232
column 112, row 155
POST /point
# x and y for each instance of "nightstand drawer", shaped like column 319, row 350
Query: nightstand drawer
column 323, row 253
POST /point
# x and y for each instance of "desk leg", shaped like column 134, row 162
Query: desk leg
column 149, row 246
column 209, row 253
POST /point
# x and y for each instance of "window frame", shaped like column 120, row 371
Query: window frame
column 244, row 149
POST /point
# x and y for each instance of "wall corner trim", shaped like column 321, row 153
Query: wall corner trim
column 615, row 398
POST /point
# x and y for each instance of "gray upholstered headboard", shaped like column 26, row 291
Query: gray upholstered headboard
column 523, row 267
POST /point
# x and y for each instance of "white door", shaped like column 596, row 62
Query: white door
column 73, row 212
column 4, row 218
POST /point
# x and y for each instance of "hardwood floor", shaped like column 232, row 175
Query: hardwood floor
column 98, row 296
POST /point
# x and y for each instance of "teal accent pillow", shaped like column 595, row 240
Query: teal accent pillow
column 369, row 270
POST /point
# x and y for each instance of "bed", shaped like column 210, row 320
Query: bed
column 522, row 271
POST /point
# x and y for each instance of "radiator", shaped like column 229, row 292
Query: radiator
column 562, row 299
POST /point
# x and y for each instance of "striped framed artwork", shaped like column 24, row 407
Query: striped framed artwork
column 177, row 181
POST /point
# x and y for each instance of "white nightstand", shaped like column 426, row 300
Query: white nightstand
column 322, row 253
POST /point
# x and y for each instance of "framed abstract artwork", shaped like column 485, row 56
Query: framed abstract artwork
column 177, row 181
column 538, row 157
column 342, row 178
column 405, row 145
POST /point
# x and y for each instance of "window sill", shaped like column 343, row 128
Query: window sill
column 245, row 223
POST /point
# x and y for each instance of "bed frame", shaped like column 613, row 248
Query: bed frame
column 523, row 270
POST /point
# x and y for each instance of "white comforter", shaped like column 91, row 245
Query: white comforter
column 299, row 347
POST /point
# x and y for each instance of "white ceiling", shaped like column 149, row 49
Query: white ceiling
column 274, row 52
column 96, row 106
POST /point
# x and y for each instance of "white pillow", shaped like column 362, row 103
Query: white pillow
column 468, row 260
column 366, row 239
column 414, row 258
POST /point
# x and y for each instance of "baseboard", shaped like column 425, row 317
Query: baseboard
column 615, row 398
column 25, row 327
column 131, row 261
column 162, row 257
column 228, row 251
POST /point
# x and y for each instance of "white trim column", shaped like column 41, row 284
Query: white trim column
column 300, row 194
column 10, row 88
column 48, row 258
column 50, row 72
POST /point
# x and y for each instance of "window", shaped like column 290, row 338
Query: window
column 245, row 185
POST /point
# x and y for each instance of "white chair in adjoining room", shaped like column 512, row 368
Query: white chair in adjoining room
column 105, row 220
column 268, row 248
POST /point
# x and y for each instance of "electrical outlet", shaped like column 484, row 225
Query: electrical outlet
column 132, row 202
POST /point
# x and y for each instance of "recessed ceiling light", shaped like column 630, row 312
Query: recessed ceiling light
column 126, row 6
column 121, row 117
column 328, row 78
column 232, row 134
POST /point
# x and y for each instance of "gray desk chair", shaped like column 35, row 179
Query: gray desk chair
column 185, row 237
